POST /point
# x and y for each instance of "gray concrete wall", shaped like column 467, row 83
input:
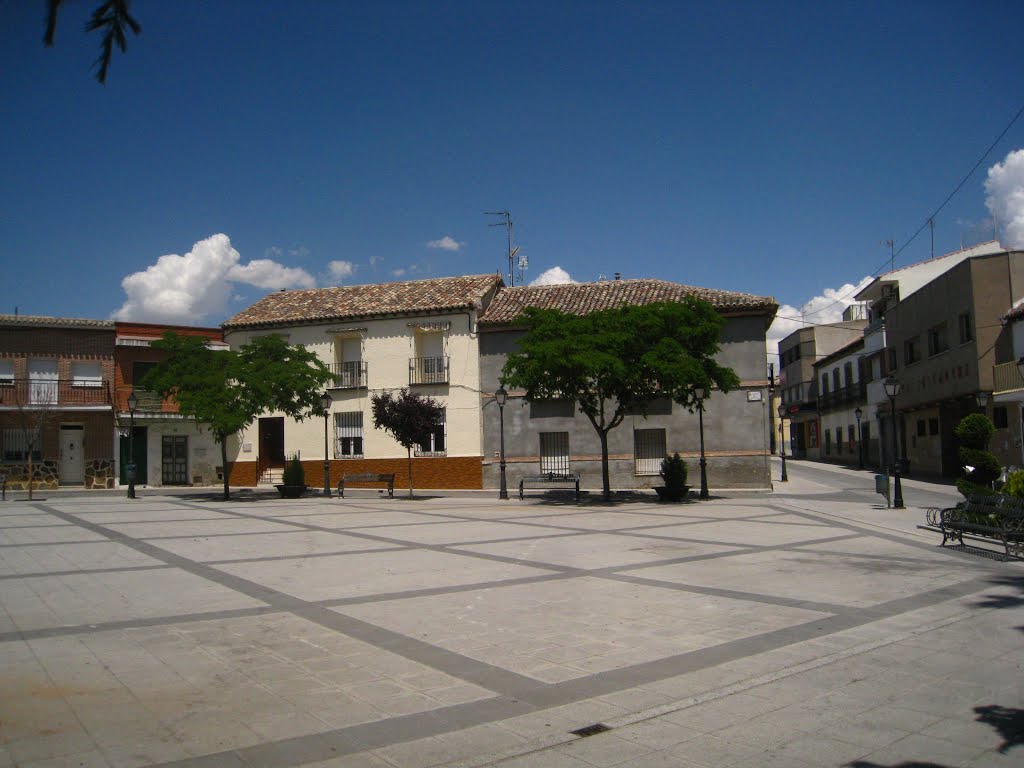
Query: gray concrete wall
column 735, row 426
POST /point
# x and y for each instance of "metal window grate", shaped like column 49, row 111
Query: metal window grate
column 554, row 453
column 648, row 450
column 348, row 434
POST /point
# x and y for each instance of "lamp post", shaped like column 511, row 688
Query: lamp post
column 982, row 398
column 782, row 444
column 892, row 388
column 325, row 403
column 860, row 442
column 501, row 397
column 133, row 402
column 702, row 394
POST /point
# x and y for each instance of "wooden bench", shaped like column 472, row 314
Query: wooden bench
column 549, row 480
column 994, row 518
column 368, row 477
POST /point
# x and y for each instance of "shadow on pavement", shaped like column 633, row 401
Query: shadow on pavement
column 1005, row 601
column 1009, row 722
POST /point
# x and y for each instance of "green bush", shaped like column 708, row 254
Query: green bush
column 975, row 431
column 1014, row 485
column 673, row 472
column 293, row 473
column 967, row 488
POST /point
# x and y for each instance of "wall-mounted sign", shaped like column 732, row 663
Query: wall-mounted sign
column 754, row 396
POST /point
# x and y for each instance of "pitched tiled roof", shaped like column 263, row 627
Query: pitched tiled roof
column 583, row 298
column 356, row 301
column 1016, row 313
column 40, row 321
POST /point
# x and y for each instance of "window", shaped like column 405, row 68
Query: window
column 911, row 350
column 851, row 436
column 349, row 370
column 139, row 371
column 839, row 440
column 835, row 380
column 921, row 431
column 966, row 331
column 16, row 443
column 892, row 361
column 648, row 450
column 86, row 375
column 6, row 373
column 435, row 445
column 828, row 441
column 554, row 452
column 548, row 409
column 824, row 383
column 937, row 339
column 999, row 417
column 42, row 376
column 348, row 435
column 933, row 426
column 430, row 366
column 658, row 406
column 847, row 375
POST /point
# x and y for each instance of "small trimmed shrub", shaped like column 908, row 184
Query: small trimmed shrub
column 293, row 473
column 673, row 472
column 974, row 432
column 1015, row 485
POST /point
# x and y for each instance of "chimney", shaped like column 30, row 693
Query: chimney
column 618, row 275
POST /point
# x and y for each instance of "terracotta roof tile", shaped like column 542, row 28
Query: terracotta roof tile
column 41, row 321
column 583, row 298
column 356, row 301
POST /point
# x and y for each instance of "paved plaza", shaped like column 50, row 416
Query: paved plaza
column 806, row 627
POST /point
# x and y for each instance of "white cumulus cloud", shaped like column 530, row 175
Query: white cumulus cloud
column 826, row 307
column 197, row 287
column 553, row 276
column 339, row 270
column 1004, row 190
column 446, row 243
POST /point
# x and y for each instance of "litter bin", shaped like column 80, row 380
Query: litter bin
column 882, row 486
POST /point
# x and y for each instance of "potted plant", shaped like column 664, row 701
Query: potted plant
column 673, row 472
column 293, row 479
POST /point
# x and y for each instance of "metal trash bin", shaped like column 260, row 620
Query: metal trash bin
column 882, row 486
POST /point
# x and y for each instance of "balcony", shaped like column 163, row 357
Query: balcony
column 428, row 370
column 844, row 396
column 37, row 394
column 1006, row 377
column 148, row 401
column 349, row 375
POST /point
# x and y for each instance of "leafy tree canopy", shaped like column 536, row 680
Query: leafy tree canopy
column 227, row 389
column 617, row 361
column 408, row 416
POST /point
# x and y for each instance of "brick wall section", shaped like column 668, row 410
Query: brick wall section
column 455, row 472
column 80, row 344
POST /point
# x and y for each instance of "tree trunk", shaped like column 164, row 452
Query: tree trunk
column 30, row 472
column 224, row 466
column 408, row 453
column 605, row 480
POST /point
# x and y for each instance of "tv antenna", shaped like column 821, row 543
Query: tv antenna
column 523, row 263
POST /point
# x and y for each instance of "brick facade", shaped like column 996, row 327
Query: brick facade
column 456, row 472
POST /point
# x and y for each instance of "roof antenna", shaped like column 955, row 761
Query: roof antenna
column 507, row 223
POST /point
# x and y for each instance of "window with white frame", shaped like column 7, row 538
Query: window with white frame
column 86, row 375
column 436, row 444
column 6, row 373
column 348, row 435
column 648, row 450
column 554, row 452
column 16, row 444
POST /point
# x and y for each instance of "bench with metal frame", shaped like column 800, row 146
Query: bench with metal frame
column 368, row 477
column 993, row 518
column 549, row 480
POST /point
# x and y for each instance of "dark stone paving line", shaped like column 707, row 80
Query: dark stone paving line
column 24, row 527
column 80, row 571
column 302, row 556
column 350, row 740
column 52, row 543
column 151, row 521
column 461, row 667
column 156, row 621
column 213, row 535
column 380, row 597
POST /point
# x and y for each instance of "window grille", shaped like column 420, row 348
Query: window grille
column 348, row 434
column 554, row 453
column 436, row 444
column 16, row 445
column 648, row 450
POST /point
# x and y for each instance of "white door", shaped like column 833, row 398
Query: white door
column 72, row 458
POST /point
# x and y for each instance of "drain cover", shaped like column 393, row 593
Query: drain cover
column 591, row 730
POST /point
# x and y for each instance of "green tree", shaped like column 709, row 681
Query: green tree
column 616, row 361
column 974, row 433
column 408, row 416
column 112, row 17
column 227, row 389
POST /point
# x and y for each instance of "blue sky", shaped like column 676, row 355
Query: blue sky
column 768, row 148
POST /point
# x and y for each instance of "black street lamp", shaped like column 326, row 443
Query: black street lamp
column 501, row 397
column 702, row 395
column 860, row 442
column 133, row 402
column 325, row 403
column 892, row 388
column 782, row 444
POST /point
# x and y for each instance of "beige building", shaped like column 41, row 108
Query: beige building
column 417, row 334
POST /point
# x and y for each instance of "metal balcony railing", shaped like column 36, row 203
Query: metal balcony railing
column 349, row 375
column 843, row 396
column 53, row 393
column 428, row 370
column 1006, row 377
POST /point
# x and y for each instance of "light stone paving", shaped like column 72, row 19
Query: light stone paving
column 808, row 627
